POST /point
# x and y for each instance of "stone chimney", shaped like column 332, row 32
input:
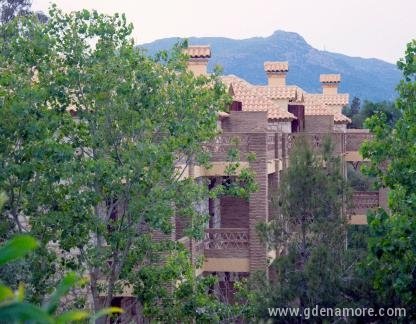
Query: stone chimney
column 198, row 58
column 276, row 73
column 330, row 83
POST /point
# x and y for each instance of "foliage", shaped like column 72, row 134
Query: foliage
column 392, row 249
column 27, row 148
column 102, row 182
column 13, row 306
column 359, row 181
column 314, row 267
column 10, row 9
column 359, row 114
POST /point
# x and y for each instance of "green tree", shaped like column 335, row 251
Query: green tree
column 392, row 245
column 355, row 106
column 100, row 184
column 13, row 306
column 10, row 9
column 368, row 109
column 310, row 231
column 27, row 147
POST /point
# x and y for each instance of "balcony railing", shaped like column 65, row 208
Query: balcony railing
column 271, row 146
column 244, row 142
column 355, row 137
column 362, row 201
column 316, row 141
column 222, row 144
column 280, row 145
column 343, row 142
column 226, row 242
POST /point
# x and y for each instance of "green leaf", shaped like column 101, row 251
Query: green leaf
column 5, row 293
column 70, row 316
column 20, row 293
column 17, row 248
column 63, row 288
column 105, row 312
column 24, row 312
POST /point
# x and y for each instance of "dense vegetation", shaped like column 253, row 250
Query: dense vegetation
column 91, row 132
column 359, row 114
column 392, row 249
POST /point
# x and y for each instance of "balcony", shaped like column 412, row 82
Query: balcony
column 347, row 144
column 362, row 201
column 224, row 143
column 223, row 250
column 355, row 137
column 315, row 140
column 244, row 142
column 226, row 242
column 226, row 250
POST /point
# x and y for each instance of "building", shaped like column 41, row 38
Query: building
column 266, row 120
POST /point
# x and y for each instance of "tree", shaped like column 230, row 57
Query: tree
column 392, row 247
column 13, row 306
column 27, row 147
column 355, row 106
column 310, row 230
column 99, row 185
column 12, row 8
column 358, row 116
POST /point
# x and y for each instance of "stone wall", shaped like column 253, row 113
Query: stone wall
column 319, row 124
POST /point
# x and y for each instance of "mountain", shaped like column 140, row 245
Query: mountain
column 371, row 79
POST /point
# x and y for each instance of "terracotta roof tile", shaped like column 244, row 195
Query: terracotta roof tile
column 288, row 92
column 317, row 109
column 330, row 78
column 198, row 51
column 254, row 101
column 340, row 99
column 341, row 119
column 276, row 66
column 316, row 105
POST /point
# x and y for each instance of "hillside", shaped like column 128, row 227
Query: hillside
column 370, row 79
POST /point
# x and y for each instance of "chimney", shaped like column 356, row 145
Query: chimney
column 330, row 83
column 198, row 58
column 276, row 73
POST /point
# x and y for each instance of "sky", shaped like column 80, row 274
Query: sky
column 366, row 28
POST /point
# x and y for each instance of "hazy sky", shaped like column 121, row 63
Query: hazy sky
column 366, row 28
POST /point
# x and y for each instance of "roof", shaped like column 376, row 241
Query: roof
column 198, row 51
column 340, row 99
column 330, row 78
column 317, row 105
column 317, row 109
column 287, row 92
column 320, row 109
column 276, row 66
column 222, row 114
column 254, row 101
column 341, row 119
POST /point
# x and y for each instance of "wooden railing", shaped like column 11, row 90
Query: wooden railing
column 224, row 143
column 219, row 243
column 271, row 146
column 244, row 143
column 343, row 142
column 316, row 141
column 280, row 145
column 362, row 201
column 355, row 137
column 226, row 242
